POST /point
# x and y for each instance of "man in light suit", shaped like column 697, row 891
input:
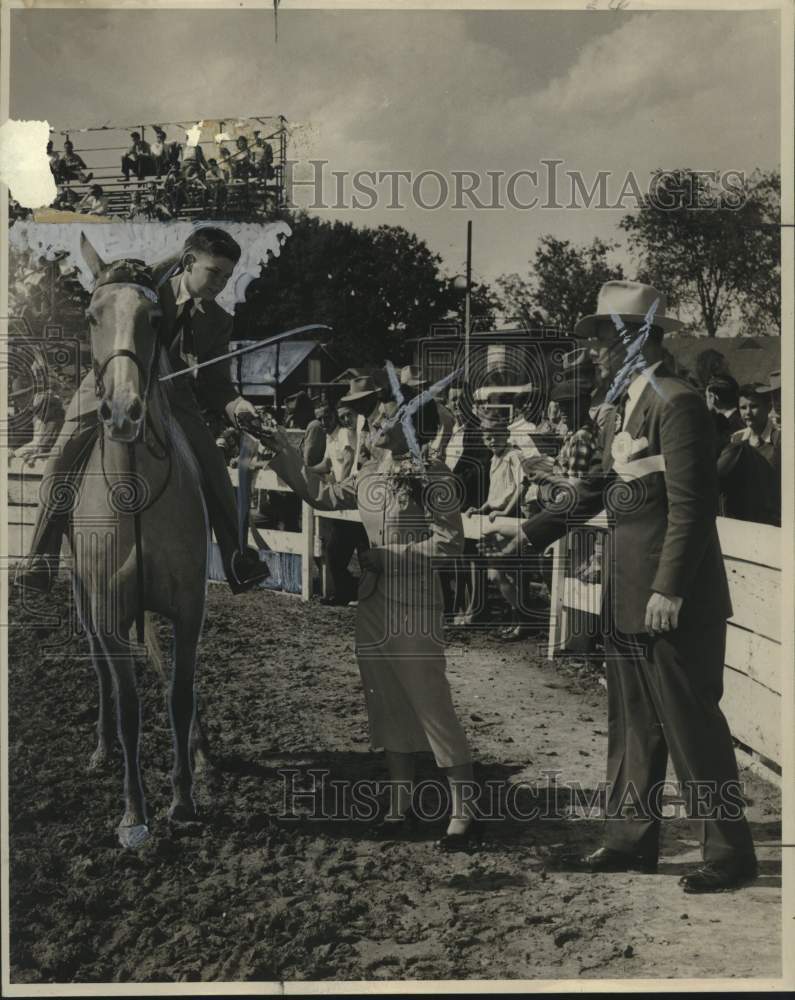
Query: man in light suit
column 666, row 601
column 194, row 328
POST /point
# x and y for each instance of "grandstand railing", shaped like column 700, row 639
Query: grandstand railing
column 244, row 197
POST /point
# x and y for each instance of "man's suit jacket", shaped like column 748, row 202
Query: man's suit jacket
column 211, row 332
column 661, row 494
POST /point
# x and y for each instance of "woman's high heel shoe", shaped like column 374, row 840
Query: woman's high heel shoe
column 469, row 840
column 390, row 829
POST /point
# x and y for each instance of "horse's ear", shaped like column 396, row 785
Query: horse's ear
column 95, row 263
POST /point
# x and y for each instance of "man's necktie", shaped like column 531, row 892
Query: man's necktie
column 182, row 345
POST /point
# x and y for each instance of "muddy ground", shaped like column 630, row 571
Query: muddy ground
column 257, row 896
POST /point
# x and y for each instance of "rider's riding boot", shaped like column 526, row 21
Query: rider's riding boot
column 246, row 570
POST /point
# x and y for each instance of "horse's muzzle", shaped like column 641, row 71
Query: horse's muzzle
column 122, row 418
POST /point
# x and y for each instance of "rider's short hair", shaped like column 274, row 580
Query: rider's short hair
column 214, row 241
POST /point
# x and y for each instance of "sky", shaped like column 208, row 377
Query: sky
column 440, row 91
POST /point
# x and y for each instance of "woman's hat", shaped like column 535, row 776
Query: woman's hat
column 360, row 388
column 631, row 301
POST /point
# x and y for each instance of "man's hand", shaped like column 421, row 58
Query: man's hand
column 662, row 613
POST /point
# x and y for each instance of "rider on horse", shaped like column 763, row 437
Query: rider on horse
column 194, row 329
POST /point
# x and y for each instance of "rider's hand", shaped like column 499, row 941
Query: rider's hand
column 243, row 413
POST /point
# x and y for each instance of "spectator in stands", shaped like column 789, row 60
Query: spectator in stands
column 262, row 157
column 723, row 397
column 94, row 202
column 72, row 166
column 216, row 185
column 163, row 152
column 225, row 164
column 157, row 203
column 506, row 486
column 191, row 162
column 55, row 160
column 67, row 199
column 241, row 161
column 137, row 210
column 137, row 159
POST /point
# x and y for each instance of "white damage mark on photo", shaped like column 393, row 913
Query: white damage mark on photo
column 194, row 134
column 153, row 242
column 24, row 166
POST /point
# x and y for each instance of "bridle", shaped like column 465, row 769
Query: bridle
column 135, row 273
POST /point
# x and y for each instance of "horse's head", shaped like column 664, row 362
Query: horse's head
column 123, row 317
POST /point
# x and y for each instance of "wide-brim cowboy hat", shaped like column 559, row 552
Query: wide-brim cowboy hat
column 360, row 388
column 631, row 301
column 774, row 384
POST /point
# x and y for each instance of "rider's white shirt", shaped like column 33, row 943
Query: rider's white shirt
column 183, row 296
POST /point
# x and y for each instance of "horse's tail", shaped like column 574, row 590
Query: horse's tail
column 154, row 650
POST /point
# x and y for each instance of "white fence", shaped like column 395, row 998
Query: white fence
column 752, row 553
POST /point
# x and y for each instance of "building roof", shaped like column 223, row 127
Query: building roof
column 257, row 370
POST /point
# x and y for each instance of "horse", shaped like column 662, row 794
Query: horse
column 139, row 534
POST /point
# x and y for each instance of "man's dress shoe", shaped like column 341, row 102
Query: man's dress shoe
column 715, row 876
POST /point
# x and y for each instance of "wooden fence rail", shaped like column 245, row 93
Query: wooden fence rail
column 752, row 554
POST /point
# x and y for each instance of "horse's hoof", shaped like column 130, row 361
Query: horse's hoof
column 182, row 813
column 133, row 836
column 100, row 760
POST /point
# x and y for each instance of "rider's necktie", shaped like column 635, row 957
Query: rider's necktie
column 182, row 345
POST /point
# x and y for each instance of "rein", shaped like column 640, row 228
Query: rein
column 134, row 272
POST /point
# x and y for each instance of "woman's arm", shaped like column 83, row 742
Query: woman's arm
column 289, row 466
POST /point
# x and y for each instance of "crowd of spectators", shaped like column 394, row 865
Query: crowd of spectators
column 168, row 177
column 508, row 446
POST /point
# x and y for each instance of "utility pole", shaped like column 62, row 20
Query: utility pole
column 468, row 302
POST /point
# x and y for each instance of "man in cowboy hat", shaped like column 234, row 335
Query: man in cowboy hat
column 194, row 328
column 773, row 388
column 666, row 601
column 364, row 398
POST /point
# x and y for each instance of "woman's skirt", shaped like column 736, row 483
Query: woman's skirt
column 400, row 652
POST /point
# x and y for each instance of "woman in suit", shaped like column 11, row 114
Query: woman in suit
column 411, row 518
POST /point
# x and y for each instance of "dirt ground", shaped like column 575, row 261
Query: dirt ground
column 257, row 896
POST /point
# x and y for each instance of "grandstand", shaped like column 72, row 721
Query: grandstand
column 248, row 183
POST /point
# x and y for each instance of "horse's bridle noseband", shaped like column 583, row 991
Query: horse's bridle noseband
column 127, row 272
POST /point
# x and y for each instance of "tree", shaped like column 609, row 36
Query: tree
column 707, row 242
column 377, row 288
column 563, row 284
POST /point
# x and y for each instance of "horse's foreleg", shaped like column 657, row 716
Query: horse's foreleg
column 133, row 829
column 102, row 754
column 182, row 708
